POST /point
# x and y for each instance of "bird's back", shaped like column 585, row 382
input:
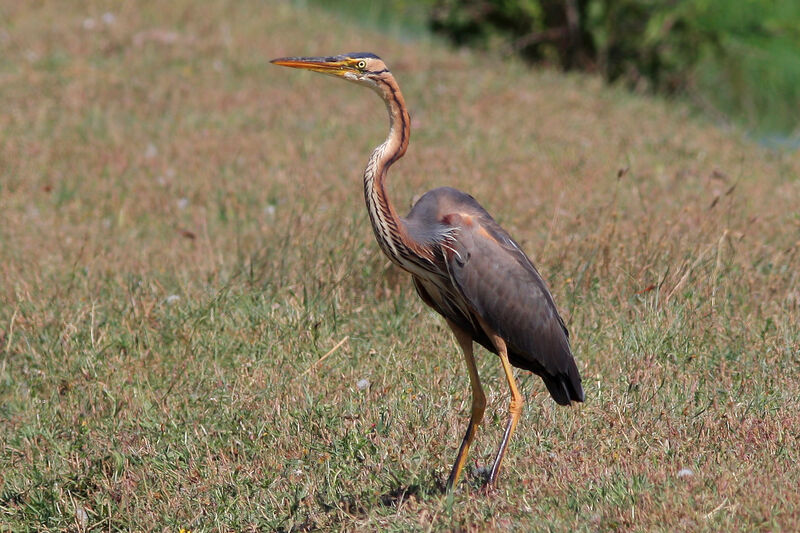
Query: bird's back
column 494, row 281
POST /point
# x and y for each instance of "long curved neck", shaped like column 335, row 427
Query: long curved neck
column 389, row 229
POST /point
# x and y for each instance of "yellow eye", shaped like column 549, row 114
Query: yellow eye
column 361, row 64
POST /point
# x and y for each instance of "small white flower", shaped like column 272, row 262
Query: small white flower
column 685, row 473
column 108, row 18
column 362, row 384
column 269, row 210
column 172, row 298
column 82, row 516
column 183, row 203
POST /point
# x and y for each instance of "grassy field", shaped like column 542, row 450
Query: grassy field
column 190, row 291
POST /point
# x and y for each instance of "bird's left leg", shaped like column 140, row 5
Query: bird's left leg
column 515, row 409
column 478, row 403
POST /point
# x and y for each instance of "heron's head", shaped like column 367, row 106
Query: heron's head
column 358, row 67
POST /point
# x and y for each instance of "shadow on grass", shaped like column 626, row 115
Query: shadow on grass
column 397, row 494
column 436, row 486
column 476, row 480
column 400, row 493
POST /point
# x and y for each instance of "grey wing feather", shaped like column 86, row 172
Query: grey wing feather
column 507, row 292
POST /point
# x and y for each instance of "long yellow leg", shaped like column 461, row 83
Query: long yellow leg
column 515, row 409
column 478, row 404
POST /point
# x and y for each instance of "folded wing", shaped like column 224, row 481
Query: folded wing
column 507, row 292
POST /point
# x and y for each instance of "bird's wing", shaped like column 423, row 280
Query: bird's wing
column 506, row 291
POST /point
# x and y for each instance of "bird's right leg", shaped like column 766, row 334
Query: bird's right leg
column 515, row 409
column 478, row 403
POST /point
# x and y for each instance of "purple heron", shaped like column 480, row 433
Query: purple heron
column 463, row 265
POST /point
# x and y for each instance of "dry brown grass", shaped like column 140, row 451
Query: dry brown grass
column 183, row 234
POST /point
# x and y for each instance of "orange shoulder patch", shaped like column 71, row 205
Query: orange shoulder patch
column 458, row 219
column 483, row 233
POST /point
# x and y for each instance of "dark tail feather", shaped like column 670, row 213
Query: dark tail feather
column 564, row 388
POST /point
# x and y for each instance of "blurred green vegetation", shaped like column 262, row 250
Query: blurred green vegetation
column 738, row 60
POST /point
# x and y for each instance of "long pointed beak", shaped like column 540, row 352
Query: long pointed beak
column 326, row 65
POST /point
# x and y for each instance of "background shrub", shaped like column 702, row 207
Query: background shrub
column 741, row 58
